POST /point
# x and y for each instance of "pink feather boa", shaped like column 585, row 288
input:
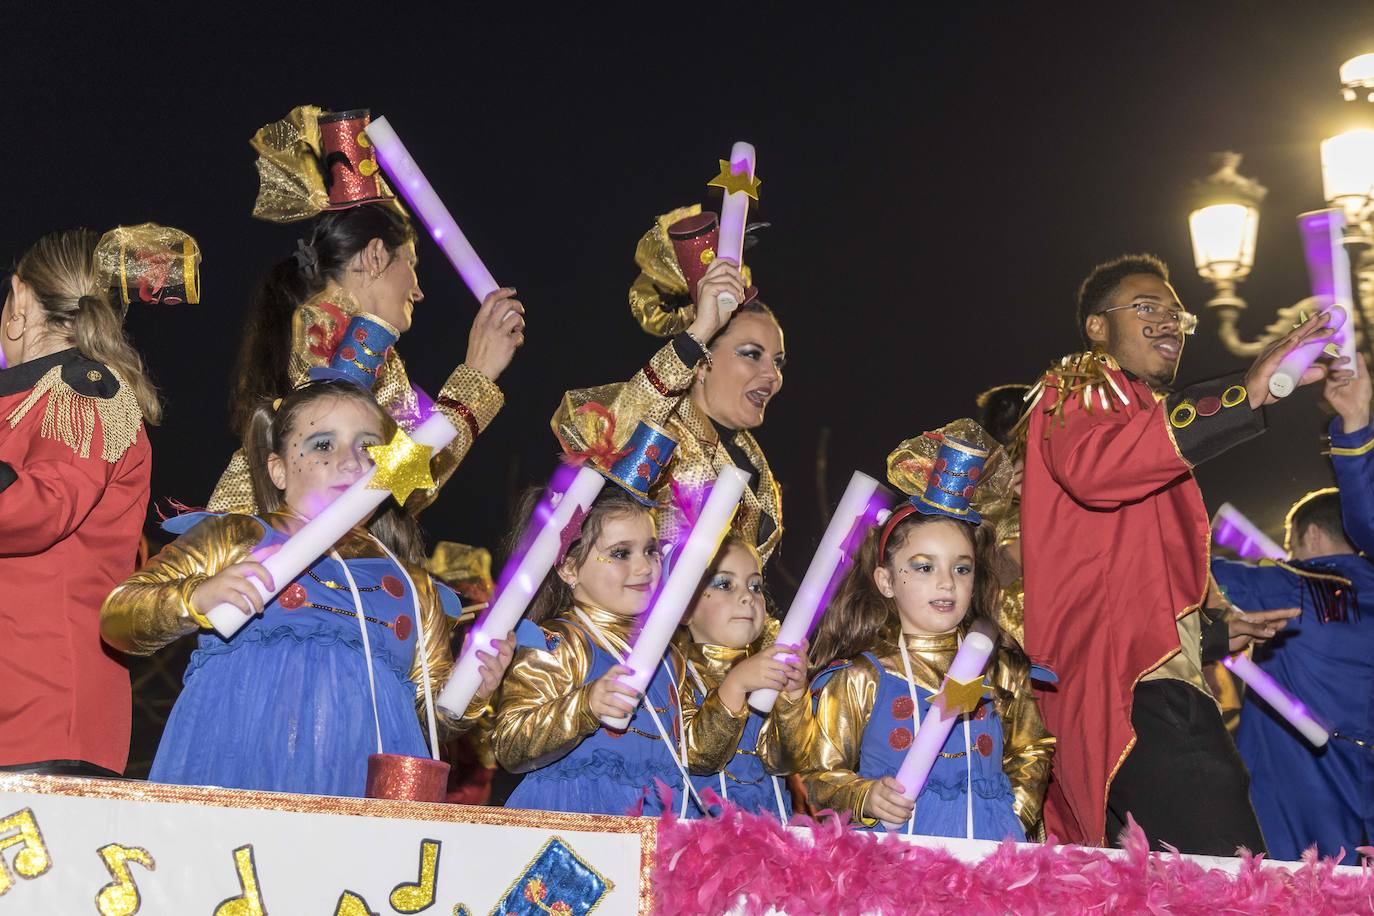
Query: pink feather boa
column 752, row 862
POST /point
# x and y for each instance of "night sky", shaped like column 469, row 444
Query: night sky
column 937, row 184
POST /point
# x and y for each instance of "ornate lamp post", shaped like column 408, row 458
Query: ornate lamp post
column 1224, row 224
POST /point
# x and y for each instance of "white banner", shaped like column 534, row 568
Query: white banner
column 116, row 848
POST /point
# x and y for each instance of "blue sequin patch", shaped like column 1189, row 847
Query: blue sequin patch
column 557, row 881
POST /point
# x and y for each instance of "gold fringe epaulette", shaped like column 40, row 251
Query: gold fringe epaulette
column 1082, row 375
column 69, row 416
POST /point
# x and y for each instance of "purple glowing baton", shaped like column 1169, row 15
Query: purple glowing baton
column 675, row 594
column 860, row 502
column 739, row 186
column 424, row 200
column 1328, row 266
column 1279, row 700
column 1233, row 530
column 520, row 579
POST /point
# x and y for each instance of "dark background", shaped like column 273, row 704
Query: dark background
column 938, row 183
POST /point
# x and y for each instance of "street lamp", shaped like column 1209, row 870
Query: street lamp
column 1224, row 224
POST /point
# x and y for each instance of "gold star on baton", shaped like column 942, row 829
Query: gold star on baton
column 959, row 696
column 402, row 466
column 732, row 183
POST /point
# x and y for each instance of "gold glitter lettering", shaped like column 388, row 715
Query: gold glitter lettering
column 351, row 904
column 249, row 902
column 120, row 897
column 412, row 898
column 33, row 859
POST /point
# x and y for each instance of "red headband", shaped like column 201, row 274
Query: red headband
column 892, row 521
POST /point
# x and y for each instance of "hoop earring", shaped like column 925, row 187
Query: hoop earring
column 7, row 330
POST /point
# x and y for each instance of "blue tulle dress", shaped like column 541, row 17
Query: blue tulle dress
column 607, row 772
column 942, row 806
column 284, row 705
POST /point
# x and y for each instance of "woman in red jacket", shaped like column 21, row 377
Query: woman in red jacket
column 74, row 481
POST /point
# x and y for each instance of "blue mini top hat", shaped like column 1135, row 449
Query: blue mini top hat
column 360, row 353
column 639, row 463
column 955, row 471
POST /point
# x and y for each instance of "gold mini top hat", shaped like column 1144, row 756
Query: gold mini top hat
column 148, row 263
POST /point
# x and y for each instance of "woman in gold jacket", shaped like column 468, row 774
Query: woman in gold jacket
column 357, row 258
column 708, row 387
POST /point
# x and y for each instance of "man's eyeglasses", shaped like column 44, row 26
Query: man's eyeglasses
column 1150, row 313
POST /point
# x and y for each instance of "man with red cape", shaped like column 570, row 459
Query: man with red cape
column 1115, row 540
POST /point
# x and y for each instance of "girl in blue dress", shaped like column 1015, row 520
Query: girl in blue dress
column 887, row 641
column 330, row 670
column 578, row 629
column 727, row 643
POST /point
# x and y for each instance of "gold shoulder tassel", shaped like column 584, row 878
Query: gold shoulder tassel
column 69, row 417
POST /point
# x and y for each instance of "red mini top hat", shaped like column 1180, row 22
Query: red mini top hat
column 694, row 241
column 351, row 173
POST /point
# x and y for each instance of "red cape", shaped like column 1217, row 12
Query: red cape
column 1115, row 542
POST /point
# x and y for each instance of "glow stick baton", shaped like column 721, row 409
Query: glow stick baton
column 734, row 213
column 1328, row 266
column 520, row 579
column 664, row 615
column 968, row 665
column 830, row 562
column 1233, row 530
column 425, row 201
column 1279, row 700
column 325, row 530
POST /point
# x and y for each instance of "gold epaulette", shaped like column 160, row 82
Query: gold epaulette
column 69, row 416
column 1307, row 573
column 1081, row 375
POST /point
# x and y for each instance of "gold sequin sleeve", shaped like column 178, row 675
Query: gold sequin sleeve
column 788, row 736
column 1027, row 746
column 470, row 401
column 542, row 712
column 438, row 628
column 711, row 731
column 152, row 608
column 652, row 393
column 842, row 711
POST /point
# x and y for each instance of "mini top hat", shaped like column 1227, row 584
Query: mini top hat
column 148, row 263
column 636, row 465
column 957, row 471
column 313, row 160
column 361, row 352
column 672, row 258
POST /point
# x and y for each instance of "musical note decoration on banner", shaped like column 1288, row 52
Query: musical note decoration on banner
column 249, row 901
column 33, row 859
column 412, row 898
column 558, row 882
column 350, row 904
column 120, row 897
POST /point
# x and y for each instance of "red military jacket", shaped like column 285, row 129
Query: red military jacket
column 74, row 483
column 1115, row 542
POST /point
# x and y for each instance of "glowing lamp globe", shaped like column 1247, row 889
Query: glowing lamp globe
column 1224, row 240
column 1357, row 78
column 1348, row 169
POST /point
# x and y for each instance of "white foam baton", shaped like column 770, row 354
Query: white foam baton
column 1231, row 529
column 325, row 530
column 1328, row 267
column 827, row 565
column 400, row 167
column 734, row 214
column 520, row 579
column 693, row 558
column 1279, row 700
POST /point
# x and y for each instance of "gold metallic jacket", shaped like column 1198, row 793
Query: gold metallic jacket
column 468, row 399
column 658, row 393
column 153, row 607
column 543, row 713
column 782, row 744
column 846, row 702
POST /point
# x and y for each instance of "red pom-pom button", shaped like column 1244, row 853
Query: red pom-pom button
column 644, row 470
column 984, row 745
column 975, row 472
column 348, row 353
column 402, row 627
column 652, row 452
column 393, row 587
column 899, row 738
column 982, row 712
column 360, row 335
column 902, row 708
column 940, row 465
column 1206, row 407
column 614, row 734
column 292, row 597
